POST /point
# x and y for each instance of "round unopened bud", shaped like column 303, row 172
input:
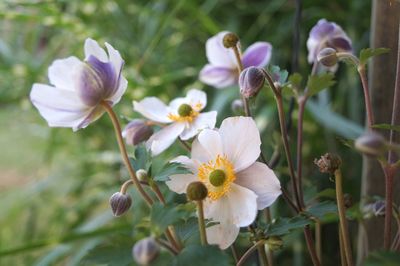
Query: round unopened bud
column 120, row 203
column 142, row 175
column 230, row 40
column 371, row 143
column 274, row 243
column 137, row 131
column 327, row 57
column 251, row 80
column 185, row 110
column 196, row 191
column 237, row 106
column 145, row 251
column 328, row 163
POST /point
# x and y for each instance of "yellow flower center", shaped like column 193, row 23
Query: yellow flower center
column 217, row 175
column 185, row 114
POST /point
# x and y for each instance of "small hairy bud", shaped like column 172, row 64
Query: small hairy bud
column 327, row 57
column 230, row 40
column 371, row 143
column 196, row 191
column 328, row 163
column 120, row 203
column 142, row 175
column 274, row 243
column 145, row 251
column 237, row 106
column 137, row 131
column 251, row 80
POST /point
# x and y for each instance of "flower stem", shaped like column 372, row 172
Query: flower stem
column 389, row 171
column 262, row 255
column 342, row 254
column 202, row 225
column 125, row 186
column 368, row 106
column 247, row 254
column 240, row 69
column 342, row 217
column 318, row 240
column 311, row 245
column 124, row 153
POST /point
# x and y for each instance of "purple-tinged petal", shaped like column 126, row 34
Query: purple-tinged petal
column 322, row 29
column 218, row 77
column 257, row 54
column 92, row 116
column 94, row 49
column 340, row 44
column 217, row 54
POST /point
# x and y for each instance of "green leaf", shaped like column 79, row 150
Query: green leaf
column 278, row 74
column 327, row 193
column 317, row 83
column 170, row 169
column 295, row 79
column 142, row 158
column 164, row 215
column 321, row 209
column 387, row 126
column 196, row 255
column 186, row 229
column 383, row 258
column 115, row 252
column 283, row 226
column 367, row 53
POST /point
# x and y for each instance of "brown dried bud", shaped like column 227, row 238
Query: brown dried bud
column 328, row 163
column 230, row 40
column 371, row 143
column 120, row 203
column 196, row 191
column 137, row 131
column 145, row 251
column 327, row 57
column 251, row 81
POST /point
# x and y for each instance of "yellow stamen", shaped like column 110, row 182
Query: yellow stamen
column 186, row 118
column 205, row 170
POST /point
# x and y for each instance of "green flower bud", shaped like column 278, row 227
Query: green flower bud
column 142, row 175
column 120, row 203
column 230, row 40
column 196, row 191
column 327, row 57
column 145, row 251
column 274, row 243
column 328, row 163
column 185, row 110
column 251, row 81
column 371, row 143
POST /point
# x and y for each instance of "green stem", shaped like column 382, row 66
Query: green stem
column 262, row 255
column 202, row 225
column 247, row 254
column 341, row 247
column 124, row 153
column 389, row 171
column 342, row 218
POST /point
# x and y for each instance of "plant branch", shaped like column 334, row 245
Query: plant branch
column 247, row 254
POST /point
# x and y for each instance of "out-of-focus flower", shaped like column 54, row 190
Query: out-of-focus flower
column 371, row 143
column 80, row 86
column 183, row 114
column 145, row 251
column 251, row 81
column 137, row 131
column 225, row 161
column 327, row 34
column 221, row 71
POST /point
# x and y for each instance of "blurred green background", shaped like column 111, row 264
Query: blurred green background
column 55, row 184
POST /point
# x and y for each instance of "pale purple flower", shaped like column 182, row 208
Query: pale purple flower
column 221, row 71
column 78, row 87
column 327, row 34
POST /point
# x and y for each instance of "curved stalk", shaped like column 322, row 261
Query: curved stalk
column 247, row 254
column 202, row 225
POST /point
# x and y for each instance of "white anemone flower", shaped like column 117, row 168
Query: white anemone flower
column 183, row 116
column 225, row 161
column 79, row 87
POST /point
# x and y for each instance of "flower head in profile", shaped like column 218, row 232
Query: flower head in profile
column 78, row 87
column 327, row 34
column 183, row 115
column 225, row 160
column 221, row 71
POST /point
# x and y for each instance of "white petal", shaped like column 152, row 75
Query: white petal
column 263, row 181
column 60, row 108
column 199, row 153
column 115, row 58
column 190, row 164
column 116, row 97
column 211, row 142
column 222, row 235
column 178, row 183
column 176, row 103
column 93, row 48
column 217, row 54
column 153, row 109
column 218, row 77
column 197, row 99
column 241, row 141
column 238, row 206
column 202, row 121
column 164, row 138
column 64, row 72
